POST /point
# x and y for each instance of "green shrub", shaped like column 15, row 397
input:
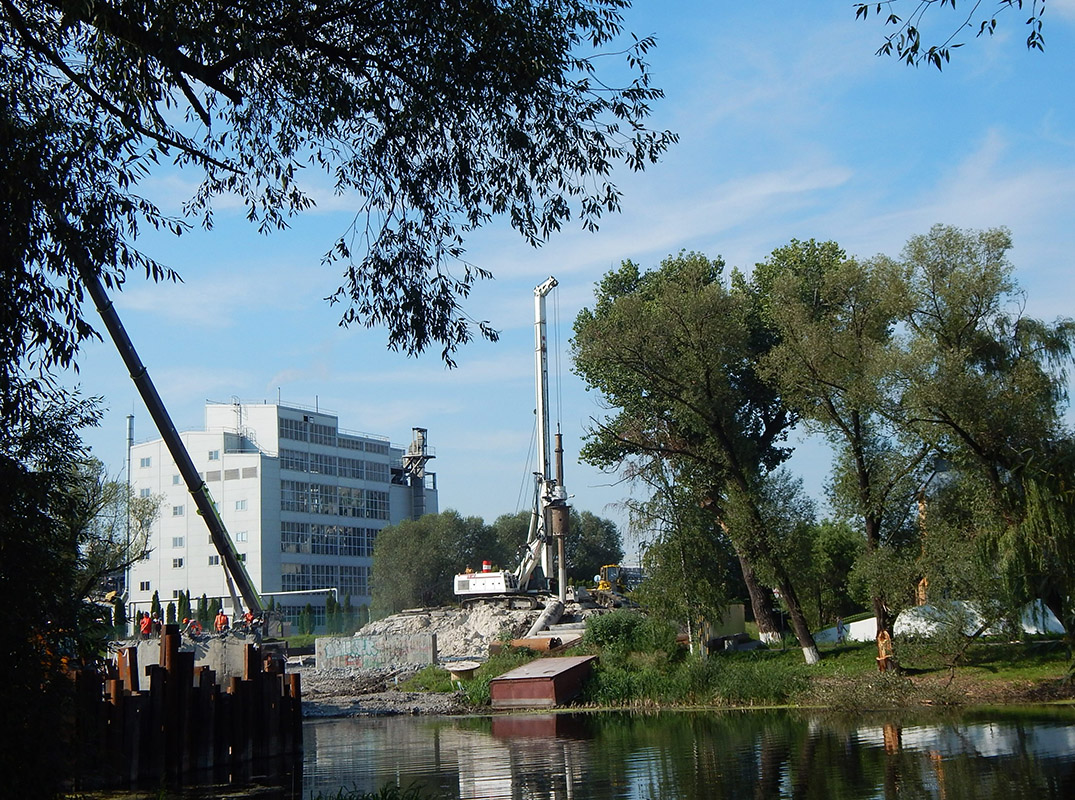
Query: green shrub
column 429, row 679
column 615, row 631
column 477, row 688
column 627, row 631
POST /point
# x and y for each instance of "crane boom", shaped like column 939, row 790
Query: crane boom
column 548, row 491
column 195, row 485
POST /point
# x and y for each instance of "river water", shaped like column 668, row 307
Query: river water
column 1007, row 753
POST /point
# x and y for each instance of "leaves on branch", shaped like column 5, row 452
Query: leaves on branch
column 434, row 117
column 906, row 41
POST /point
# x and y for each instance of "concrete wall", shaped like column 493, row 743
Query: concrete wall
column 224, row 655
column 371, row 652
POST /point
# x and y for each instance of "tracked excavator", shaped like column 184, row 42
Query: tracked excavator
column 528, row 584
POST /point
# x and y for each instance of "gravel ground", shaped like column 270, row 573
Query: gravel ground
column 370, row 693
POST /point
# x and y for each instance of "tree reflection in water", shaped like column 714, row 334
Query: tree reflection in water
column 760, row 754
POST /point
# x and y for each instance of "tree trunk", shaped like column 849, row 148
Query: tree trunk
column 796, row 617
column 761, row 602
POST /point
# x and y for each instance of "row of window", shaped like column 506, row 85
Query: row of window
column 179, row 511
column 304, row 430
column 343, row 501
column 214, row 561
column 328, row 540
column 348, row 580
column 324, row 464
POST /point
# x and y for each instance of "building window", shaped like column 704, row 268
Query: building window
column 324, row 540
column 212, row 475
column 178, row 541
column 250, row 472
column 176, row 480
column 293, row 429
column 214, row 561
column 294, row 537
column 175, row 594
column 240, row 536
column 231, row 474
column 376, row 504
column 144, row 493
column 294, row 496
column 177, row 511
column 177, row 563
column 145, row 462
column 143, row 586
column 242, row 557
column 240, row 505
column 354, row 581
column 322, row 434
column 214, row 455
column 294, row 460
column 376, row 471
column 294, row 577
column 322, row 464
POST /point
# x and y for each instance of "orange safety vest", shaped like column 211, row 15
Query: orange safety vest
column 145, row 625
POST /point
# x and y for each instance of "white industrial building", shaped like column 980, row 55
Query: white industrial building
column 302, row 499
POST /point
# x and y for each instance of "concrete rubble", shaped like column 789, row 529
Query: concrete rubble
column 462, row 635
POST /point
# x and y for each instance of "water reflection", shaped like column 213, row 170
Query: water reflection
column 700, row 755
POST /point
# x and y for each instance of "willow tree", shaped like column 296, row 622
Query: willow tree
column 987, row 387
column 838, row 362
column 673, row 352
column 431, row 117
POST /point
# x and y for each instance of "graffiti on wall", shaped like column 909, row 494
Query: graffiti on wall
column 372, row 652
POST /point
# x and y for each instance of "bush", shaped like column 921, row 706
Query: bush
column 626, row 631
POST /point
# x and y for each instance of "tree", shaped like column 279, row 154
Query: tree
column 170, row 613
column 987, row 389
column 591, row 543
column 414, row 562
column 675, row 350
column 202, row 614
column 686, row 557
column 155, row 609
column 183, row 611
column 906, row 43
column 436, row 117
column 48, row 624
column 837, row 362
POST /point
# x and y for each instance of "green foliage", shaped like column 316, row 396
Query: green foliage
column 427, row 145
column 593, row 542
column 834, row 547
column 906, row 22
column 675, row 354
column 183, row 610
column 429, row 679
column 306, row 619
column 203, row 615
column 414, row 562
column 625, row 631
column 169, row 613
column 155, row 609
column 729, row 680
column 49, row 625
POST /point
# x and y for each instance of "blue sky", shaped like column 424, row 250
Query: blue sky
column 790, row 127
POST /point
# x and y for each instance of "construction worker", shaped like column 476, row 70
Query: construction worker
column 221, row 622
column 145, row 625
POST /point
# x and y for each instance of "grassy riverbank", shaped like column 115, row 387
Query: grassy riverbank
column 847, row 677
